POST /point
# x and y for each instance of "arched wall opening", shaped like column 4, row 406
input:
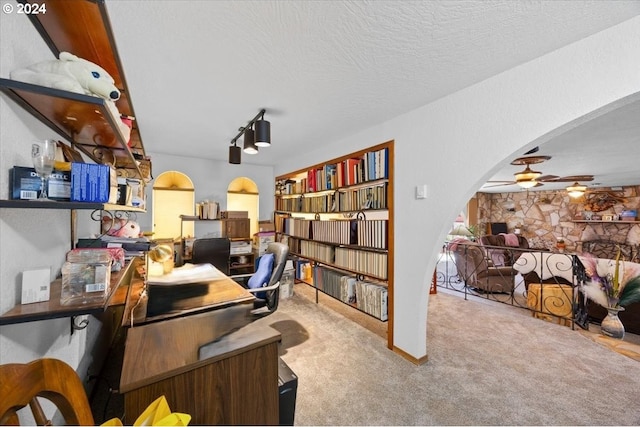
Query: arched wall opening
column 243, row 195
column 173, row 195
column 456, row 143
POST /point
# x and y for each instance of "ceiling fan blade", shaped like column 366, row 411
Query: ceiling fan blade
column 571, row 178
column 547, row 178
column 501, row 184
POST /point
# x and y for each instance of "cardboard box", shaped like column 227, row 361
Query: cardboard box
column 25, row 184
column 264, row 238
column 266, row 226
column 90, row 182
column 234, row 214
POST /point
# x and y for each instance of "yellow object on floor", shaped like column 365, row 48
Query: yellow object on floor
column 156, row 414
column 551, row 302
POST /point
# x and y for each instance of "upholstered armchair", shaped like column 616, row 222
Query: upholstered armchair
column 499, row 252
column 476, row 272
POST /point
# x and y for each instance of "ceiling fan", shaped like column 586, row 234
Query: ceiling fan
column 529, row 178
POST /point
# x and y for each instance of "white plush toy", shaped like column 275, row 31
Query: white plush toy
column 74, row 74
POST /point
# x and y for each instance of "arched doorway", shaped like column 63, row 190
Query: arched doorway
column 242, row 195
column 173, row 195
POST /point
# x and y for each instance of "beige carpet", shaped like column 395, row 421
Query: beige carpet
column 487, row 366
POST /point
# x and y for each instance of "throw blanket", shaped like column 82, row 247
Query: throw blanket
column 453, row 245
column 546, row 264
column 511, row 240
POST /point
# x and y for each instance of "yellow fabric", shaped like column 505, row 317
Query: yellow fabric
column 156, row 414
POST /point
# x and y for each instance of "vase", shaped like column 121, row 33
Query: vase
column 611, row 325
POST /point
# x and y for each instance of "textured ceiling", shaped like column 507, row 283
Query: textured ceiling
column 199, row 70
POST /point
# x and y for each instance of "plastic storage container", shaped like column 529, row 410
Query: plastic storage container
column 86, row 278
column 286, row 284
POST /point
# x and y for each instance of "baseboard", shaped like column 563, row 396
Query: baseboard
column 410, row 358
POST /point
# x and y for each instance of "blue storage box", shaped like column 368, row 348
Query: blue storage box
column 90, row 182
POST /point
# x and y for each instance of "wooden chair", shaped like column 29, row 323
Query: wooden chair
column 52, row 379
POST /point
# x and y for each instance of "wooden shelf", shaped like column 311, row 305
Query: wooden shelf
column 36, row 204
column 333, row 212
column 338, row 245
column 369, row 173
column 84, row 120
column 82, row 27
column 366, row 184
column 52, row 309
column 380, row 280
column 592, row 221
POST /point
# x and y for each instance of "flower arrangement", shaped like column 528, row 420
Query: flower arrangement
column 611, row 285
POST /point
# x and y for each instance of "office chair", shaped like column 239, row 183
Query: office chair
column 214, row 251
column 265, row 282
column 52, row 379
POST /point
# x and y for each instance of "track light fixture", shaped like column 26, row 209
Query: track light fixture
column 263, row 132
column 250, row 142
column 235, row 154
column 260, row 137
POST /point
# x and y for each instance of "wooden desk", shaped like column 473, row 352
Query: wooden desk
column 183, row 299
column 231, row 381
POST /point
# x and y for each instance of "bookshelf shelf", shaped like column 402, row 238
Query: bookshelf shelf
column 338, row 217
column 339, row 245
column 598, row 221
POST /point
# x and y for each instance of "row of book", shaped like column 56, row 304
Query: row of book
column 297, row 227
column 372, row 264
column 320, row 203
column 367, row 233
column 342, row 201
column 365, row 262
column 362, row 198
column 368, row 167
column 317, row 251
column 372, row 298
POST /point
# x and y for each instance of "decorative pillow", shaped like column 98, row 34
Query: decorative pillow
column 262, row 275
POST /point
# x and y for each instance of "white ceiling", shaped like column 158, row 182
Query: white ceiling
column 199, row 70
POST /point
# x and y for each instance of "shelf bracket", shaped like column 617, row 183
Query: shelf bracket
column 75, row 326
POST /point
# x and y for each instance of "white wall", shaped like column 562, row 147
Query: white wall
column 474, row 130
column 456, row 143
column 211, row 179
column 28, row 238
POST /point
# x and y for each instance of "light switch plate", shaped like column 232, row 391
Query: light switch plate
column 36, row 285
column 421, row 191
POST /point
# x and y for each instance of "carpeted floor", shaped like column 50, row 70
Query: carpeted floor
column 487, row 366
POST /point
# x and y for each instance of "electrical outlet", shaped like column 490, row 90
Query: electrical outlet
column 421, row 191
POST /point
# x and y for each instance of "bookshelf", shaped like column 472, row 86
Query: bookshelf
column 337, row 216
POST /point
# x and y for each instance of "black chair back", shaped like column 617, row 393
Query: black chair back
column 214, row 250
column 280, row 253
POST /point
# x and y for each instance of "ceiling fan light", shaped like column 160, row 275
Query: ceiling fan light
column 527, row 175
column 250, row 142
column 527, row 183
column 263, row 133
column 576, row 190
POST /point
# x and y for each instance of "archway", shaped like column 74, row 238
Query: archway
column 243, row 195
column 173, row 195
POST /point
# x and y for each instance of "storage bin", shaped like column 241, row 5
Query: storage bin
column 86, row 282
